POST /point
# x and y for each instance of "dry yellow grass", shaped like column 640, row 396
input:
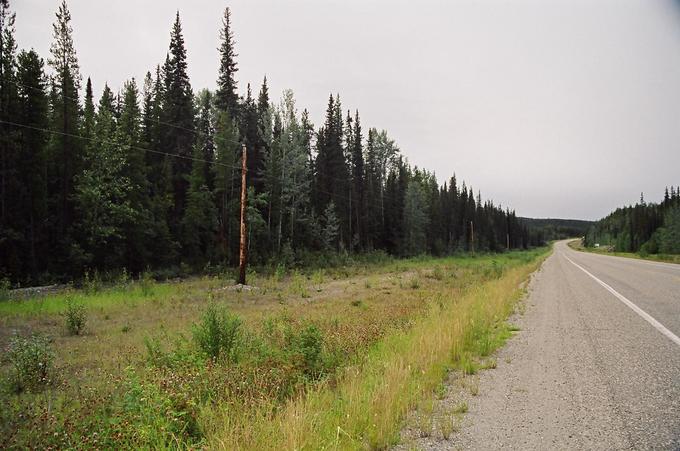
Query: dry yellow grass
column 365, row 408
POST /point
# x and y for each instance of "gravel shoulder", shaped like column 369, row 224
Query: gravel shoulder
column 583, row 372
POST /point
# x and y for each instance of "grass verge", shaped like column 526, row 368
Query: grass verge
column 663, row 258
column 333, row 358
column 365, row 408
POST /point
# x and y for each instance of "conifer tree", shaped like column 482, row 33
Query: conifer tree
column 88, row 112
column 102, row 195
column 227, row 157
column 129, row 135
column 226, row 97
column 200, row 217
column 357, row 171
column 178, row 110
column 332, row 175
column 31, row 198
column 205, row 126
column 67, row 150
column 415, row 219
column 10, row 245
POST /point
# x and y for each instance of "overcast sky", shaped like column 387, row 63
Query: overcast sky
column 555, row 108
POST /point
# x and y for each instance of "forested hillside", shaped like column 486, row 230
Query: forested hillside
column 556, row 229
column 147, row 176
column 649, row 228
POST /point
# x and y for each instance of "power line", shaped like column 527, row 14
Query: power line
column 158, row 121
column 72, row 135
column 108, row 141
column 196, row 132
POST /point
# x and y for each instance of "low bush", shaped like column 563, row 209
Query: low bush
column 146, row 283
column 75, row 316
column 31, row 363
column 4, row 289
column 218, row 334
column 92, row 283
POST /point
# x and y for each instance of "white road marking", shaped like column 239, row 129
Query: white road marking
column 646, row 316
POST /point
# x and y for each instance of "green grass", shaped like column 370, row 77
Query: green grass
column 324, row 359
column 663, row 258
column 107, row 299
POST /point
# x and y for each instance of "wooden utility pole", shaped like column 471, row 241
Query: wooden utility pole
column 242, row 247
column 472, row 236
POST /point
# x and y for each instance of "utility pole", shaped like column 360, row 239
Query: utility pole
column 242, row 247
column 472, row 236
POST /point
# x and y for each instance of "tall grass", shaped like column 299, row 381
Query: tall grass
column 366, row 405
column 107, row 298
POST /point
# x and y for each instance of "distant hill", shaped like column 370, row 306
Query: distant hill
column 556, row 229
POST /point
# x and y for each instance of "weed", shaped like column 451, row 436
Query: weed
column 124, row 278
column 218, row 333
column 318, row 278
column 473, row 386
column 357, row 302
column 462, row 407
column 414, row 284
column 5, row 289
column 146, row 284
column 448, row 424
column 437, row 273
column 31, row 360
column 468, row 365
column 92, row 283
column 425, row 417
column 75, row 317
column 154, row 351
column 279, row 272
column 299, row 285
column 125, row 329
column 489, row 364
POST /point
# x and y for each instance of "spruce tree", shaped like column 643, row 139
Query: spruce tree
column 67, row 150
column 88, row 112
column 250, row 134
column 226, row 176
column 31, row 199
column 178, row 110
column 332, row 174
column 130, row 137
column 226, row 97
column 199, row 223
column 205, row 127
column 357, row 169
column 10, row 242
column 102, row 192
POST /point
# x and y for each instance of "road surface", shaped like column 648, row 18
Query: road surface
column 595, row 366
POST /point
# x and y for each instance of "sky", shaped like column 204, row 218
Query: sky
column 554, row 108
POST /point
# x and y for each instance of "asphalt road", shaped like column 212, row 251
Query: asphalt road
column 596, row 364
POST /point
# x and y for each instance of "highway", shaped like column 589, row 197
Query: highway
column 596, row 364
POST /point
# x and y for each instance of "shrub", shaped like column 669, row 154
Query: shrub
column 76, row 317
column 310, row 346
column 146, row 283
column 93, row 282
column 218, row 333
column 31, row 360
column 4, row 289
column 280, row 272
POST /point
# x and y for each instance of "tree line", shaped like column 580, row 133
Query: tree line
column 649, row 228
column 148, row 176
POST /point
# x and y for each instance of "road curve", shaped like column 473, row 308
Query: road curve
column 595, row 365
